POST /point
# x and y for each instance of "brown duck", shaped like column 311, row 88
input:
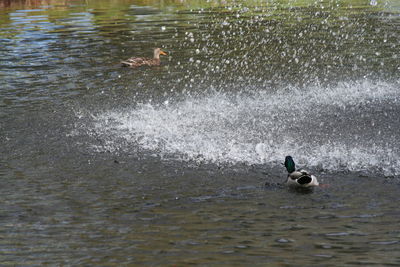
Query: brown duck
column 135, row 62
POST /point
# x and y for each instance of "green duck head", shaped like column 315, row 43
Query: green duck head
column 289, row 164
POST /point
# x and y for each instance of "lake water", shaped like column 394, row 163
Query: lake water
column 180, row 164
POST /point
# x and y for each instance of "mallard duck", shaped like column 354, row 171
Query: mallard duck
column 134, row 62
column 298, row 178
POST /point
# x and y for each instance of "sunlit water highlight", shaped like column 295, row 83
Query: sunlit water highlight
column 331, row 129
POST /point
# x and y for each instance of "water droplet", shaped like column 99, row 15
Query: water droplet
column 283, row 240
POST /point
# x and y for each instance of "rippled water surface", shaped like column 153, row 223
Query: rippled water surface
column 181, row 164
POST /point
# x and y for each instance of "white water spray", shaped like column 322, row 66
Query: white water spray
column 258, row 128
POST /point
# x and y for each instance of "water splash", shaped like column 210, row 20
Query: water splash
column 327, row 128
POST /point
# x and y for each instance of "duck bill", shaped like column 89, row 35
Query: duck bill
column 163, row 53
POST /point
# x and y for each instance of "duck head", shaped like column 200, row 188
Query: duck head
column 158, row 52
column 289, row 164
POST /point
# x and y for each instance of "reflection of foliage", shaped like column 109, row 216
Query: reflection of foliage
column 16, row 4
column 125, row 11
column 217, row 36
column 226, row 42
column 176, row 4
column 110, row 16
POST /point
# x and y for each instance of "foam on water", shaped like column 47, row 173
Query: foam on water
column 263, row 127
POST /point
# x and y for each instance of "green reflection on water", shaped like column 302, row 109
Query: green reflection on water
column 218, row 42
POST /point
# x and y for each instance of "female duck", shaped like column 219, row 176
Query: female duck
column 298, row 178
column 135, row 62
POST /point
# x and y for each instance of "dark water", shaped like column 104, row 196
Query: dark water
column 103, row 165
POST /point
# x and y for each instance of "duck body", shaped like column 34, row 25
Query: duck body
column 299, row 178
column 135, row 62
